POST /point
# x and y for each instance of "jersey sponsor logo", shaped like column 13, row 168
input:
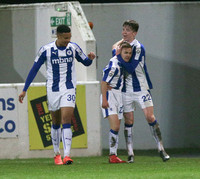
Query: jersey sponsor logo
column 62, row 60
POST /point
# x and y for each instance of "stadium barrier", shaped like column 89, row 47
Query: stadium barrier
column 25, row 128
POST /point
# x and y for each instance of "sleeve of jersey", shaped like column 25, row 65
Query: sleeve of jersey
column 81, row 57
column 109, row 74
column 113, row 52
column 33, row 72
column 129, row 66
column 134, row 61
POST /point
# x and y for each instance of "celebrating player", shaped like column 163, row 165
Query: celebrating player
column 61, row 86
column 111, row 98
column 136, row 90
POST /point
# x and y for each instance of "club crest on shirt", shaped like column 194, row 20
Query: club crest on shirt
column 138, row 50
column 69, row 52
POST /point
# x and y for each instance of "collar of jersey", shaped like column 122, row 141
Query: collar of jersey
column 61, row 48
column 133, row 42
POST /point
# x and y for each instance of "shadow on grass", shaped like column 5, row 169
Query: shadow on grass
column 178, row 152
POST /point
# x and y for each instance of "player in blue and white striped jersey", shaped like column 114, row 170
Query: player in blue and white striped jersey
column 59, row 57
column 136, row 89
column 111, row 98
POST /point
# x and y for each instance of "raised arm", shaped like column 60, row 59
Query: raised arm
column 115, row 46
column 137, row 56
column 81, row 57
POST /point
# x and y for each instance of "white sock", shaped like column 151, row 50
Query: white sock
column 113, row 142
column 67, row 140
column 155, row 129
column 129, row 140
column 55, row 137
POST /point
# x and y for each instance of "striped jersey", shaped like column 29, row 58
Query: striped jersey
column 60, row 65
column 138, row 79
column 113, row 74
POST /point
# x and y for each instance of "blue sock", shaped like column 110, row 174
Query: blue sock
column 114, row 132
column 66, row 126
column 153, row 123
column 56, row 126
column 128, row 125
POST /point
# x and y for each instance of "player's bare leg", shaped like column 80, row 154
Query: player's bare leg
column 128, row 133
column 155, row 129
column 66, row 116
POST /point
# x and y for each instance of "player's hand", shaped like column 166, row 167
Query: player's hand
column 109, row 87
column 118, row 50
column 91, row 55
column 21, row 96
column 105, row 104
column 117, row 44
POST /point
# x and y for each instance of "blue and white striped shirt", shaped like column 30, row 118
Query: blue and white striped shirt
column 137, row 78
column 113, row 74
column 60, row 64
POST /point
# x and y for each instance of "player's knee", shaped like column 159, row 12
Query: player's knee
column 150, row 118
column 128, row 117
column 115, row 127
column 129, row 121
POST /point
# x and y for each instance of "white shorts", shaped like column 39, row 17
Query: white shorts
column 114, row 98
column 142, row 98
column 56, row 100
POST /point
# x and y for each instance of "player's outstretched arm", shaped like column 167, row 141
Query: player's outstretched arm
column 21, row 96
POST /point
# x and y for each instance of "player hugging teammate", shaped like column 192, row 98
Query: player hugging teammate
column 111, row 98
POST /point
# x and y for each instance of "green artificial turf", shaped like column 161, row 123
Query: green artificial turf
column 148, row 165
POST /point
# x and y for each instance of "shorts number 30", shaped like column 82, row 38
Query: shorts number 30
column 70, row 97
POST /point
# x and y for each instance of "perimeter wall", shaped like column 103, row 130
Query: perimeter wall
column 170, row 34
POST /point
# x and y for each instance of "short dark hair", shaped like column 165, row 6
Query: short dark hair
column 63, row 29
column 132, row 24
column 125, row 44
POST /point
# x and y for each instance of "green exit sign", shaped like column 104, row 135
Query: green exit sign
column 56, row 21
